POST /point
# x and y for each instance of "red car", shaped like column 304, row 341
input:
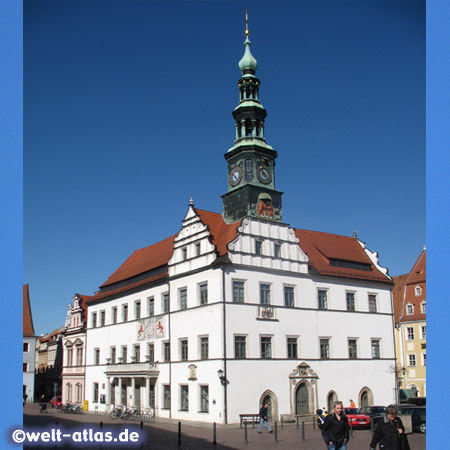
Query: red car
column 356, row 418
column 56, row 401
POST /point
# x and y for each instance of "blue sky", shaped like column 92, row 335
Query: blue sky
column 127, row 114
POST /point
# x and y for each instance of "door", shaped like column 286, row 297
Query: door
column 364, row 399
column 268, row 399
column 137, row 396
column 302, row 400
column 123, row 396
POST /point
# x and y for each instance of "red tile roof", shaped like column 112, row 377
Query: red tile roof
column 404, row 291
column 320, row 248
column 323, row 247
column 28, row 328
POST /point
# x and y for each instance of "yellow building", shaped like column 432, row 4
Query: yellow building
column 409, row 295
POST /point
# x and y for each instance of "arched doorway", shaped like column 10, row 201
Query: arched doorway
column 365, row 397
column 272, row 410
column 302, row 399
column 413, row 387
column 331, row 398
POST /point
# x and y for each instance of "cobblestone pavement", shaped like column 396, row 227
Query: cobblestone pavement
column 163, row 434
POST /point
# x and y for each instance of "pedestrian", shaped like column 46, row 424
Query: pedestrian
column 25, row 396
column 352, row 404
column 390, row 432
column 335, row 430
column 263, row 418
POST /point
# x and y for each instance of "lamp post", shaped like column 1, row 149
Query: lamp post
column 222, row 379
column 223, row 382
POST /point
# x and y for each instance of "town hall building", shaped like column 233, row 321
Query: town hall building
column 240, row 308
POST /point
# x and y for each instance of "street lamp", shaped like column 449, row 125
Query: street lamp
column 222, row 379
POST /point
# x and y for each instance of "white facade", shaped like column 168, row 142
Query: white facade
column 29, row 355
column 248, row 341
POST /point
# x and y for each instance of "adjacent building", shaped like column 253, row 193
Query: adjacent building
column 410, row 307
column 29, row 347
column 240, row 308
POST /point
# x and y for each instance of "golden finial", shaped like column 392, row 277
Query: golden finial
column 247, row 32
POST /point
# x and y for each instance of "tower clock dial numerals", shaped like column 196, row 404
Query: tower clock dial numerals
column 235, row 175
column 264, row 174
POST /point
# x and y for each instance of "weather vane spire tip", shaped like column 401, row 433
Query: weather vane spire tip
column 247, row 32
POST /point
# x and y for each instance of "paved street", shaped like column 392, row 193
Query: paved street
column 163, row 434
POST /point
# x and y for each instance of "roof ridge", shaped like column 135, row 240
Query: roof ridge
column 323, row 232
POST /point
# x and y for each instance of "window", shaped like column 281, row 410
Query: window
column 124, row 313
column 137, row 353
column 352, row 348
column 114, row 315
column 151, row 352
column 423, row 330
column 78, row 392
column 410, row 333
column 324, row 348
column 184, row 349
column 102, row 318
column 266, row 347
column 113, row 355
column 238, row 291
column 25, row 367
column 151, row 306
column 203, row 292
column 412, row 359
column 240, row 347
column 184, row 398
column 375, row 348
column 288, row 296
column 322, row 297
column 350, row 301
column 292, row 348
column 423, row 307
column 79, row 356
column 94, row 320
column 424, row 359
column 26, row 346
column 96, row 356
column 418, row 291
column 277, row 250
column 183, row 298
column 165, row 302
column 124, row 354
column 184, row 253
column 409, row 309
column 69, row 356
column 204, row 399
column 95, row 397
column 137, row 309
column 197, row 249
column 204, row 348
column 258, row 247
column 372, row 303
column 166, row 351
column 264, row 294
column 166, row 396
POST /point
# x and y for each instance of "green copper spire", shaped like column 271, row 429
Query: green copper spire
column 248, row 63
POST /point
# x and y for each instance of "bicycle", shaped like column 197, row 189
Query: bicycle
column 117, row 412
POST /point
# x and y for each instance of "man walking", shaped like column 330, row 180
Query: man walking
column 263, row 418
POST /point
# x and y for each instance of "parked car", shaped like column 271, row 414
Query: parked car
column 418, row 416
column 375, row 412
column 56, row 401
column 356, row 418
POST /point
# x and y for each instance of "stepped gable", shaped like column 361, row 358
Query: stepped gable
column 221, row 233
column 28, row 328
column 334, row 255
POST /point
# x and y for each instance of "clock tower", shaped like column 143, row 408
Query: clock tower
column 251, row 161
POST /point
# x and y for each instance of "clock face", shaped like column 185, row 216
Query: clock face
column 264, row 174
column 235, row 176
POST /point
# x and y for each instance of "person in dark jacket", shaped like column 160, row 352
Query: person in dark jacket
column 390, row 432
column 263, row 418
column 335, row 430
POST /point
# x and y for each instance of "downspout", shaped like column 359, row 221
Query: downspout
column 397, row 392
column 224, row 350
column 170, row 351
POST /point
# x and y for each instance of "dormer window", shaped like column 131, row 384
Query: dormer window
column 418, row 291
column 409, row 309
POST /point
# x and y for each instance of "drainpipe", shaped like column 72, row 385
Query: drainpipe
column 224, row 349
column 170, row 359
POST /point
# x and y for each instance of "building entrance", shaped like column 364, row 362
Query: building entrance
column 302, row 400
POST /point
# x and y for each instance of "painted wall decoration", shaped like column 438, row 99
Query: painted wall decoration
column 151, row 328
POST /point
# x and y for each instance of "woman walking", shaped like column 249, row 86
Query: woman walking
column 390, row 432
column 335, row 430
